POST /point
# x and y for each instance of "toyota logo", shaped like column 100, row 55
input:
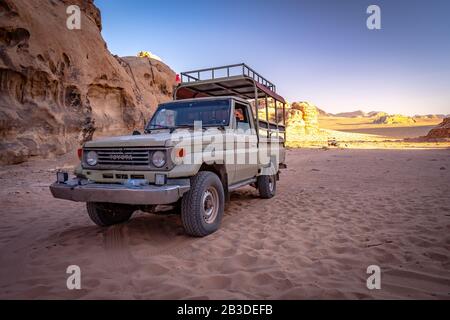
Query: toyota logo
column 120, row 156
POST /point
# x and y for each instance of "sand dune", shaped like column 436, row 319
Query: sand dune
column 336, row 212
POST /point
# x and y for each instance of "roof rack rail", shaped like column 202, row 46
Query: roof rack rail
column 240, row 69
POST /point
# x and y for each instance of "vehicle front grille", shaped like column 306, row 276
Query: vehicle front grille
column 123, row 156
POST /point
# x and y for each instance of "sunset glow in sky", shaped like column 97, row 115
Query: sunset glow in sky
column 316, row 51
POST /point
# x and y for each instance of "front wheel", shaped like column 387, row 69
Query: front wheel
column 267, row 186
column 107, row 214
column 203, row 205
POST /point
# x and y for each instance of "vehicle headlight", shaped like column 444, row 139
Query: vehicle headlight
column 91, row 158
column 159, row 159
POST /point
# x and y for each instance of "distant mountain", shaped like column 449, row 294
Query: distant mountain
column 322, row 112
column 390, row 118
column 430, row 116
column 351, row 114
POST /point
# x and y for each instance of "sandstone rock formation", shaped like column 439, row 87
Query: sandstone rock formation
column 442, row 130
column 377, row 114
column 394, row 119
column 303, row 117
column 60, row 87
column 148, row 54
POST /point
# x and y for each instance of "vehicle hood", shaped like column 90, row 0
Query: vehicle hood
column 161, row 139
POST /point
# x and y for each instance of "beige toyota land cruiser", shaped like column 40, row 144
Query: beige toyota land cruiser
column 193, row 152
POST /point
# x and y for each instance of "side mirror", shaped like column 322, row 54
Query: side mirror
column 136, row 133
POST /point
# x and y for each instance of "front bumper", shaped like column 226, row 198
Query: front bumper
column 83, row 191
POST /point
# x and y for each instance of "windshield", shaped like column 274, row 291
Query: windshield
column 179, row 114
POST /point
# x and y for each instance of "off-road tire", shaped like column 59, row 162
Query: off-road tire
column 264, row 186
column 193, row 205
column 107, row 214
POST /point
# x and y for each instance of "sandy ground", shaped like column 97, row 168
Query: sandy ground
column 336, row 212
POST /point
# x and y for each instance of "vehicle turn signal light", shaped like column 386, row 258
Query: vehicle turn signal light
column 180, row 153
column 80, row 153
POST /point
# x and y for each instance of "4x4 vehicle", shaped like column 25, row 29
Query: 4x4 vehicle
column 194, row 151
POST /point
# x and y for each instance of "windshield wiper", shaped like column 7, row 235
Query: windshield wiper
column 206, row 127
column 172, row 129
column 181, row 126
column 158, row 126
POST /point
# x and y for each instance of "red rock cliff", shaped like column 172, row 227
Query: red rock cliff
column 61, row 87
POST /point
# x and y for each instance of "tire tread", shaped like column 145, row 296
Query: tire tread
column 263, row 187
column 191, row 202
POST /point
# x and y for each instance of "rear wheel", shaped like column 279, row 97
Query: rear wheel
column 267, row 186
column 107, row 214
column 203, row 205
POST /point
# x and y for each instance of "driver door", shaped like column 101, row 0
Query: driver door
column 245, row 144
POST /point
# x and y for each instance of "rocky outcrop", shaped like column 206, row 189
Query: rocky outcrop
column 442, row 130
column 61, row 87
column 377, row 114
column 148, row 54
column 303, row 117
column 394, row 119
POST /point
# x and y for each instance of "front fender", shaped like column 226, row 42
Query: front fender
column 78, row 170
column 184, row 170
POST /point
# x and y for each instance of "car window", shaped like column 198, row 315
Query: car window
column 241, row 116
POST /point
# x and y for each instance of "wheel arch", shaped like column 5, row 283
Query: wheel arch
column 221, row 172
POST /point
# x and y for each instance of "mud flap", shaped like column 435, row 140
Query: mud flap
column 271, row 169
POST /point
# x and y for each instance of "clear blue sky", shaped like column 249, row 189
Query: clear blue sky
column 319, row 50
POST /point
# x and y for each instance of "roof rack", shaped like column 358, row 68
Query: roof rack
column 230, row 70
column 232, row 80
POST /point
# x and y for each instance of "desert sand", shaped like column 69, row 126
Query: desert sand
column 336, row 212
